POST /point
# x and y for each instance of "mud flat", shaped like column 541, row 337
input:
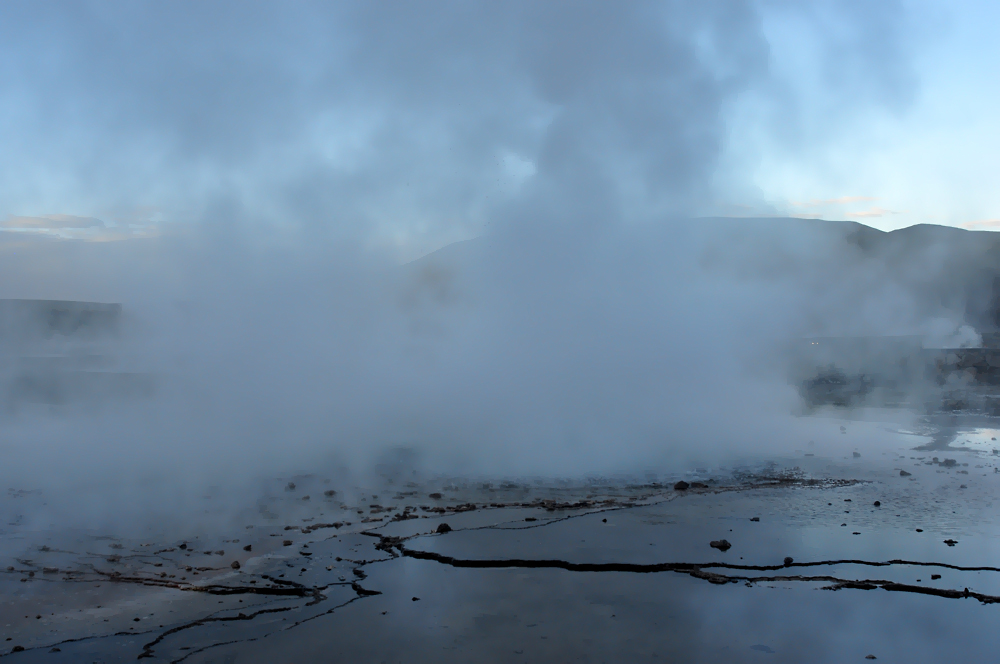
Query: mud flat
column 828, row 557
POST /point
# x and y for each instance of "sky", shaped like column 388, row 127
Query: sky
column 408, row 128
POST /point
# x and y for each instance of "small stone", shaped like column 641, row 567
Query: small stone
column 531, row 518
column 248, row 547
column 235, row 564
column 17, row 649
column 290, row 486
column 434, row 496
column 414, row 599
column 920, row 530
column 951, row 542
column 286, row 543
column 182, row 547
column 857, row 455
column 755, row 518
column 443, row 528
column 721, row 545
column 903, row 473
column 681, row 486
column 56, row 650
column 877, row 504
column 870, row 657
column 329, row 492
column 698, row 485
column 935, row 577
column 788, row 561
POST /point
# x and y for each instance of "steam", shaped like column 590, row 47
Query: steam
column 259, row 189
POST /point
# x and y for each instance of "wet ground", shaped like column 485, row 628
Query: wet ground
column 819, row 555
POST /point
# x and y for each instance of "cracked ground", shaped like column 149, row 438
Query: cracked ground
column 827, row 558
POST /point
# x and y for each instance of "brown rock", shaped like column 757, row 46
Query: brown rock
column 721, row 545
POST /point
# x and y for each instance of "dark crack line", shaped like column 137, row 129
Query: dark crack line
column 264, row 636
column 699, row 571
column 147, row 649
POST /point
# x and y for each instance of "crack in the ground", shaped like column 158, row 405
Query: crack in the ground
column 700, row 571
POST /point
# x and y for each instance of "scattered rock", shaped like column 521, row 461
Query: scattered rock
column 877, row 504
column 182, row 547
column 755, row 518
column 903, row 473
column 434, row 496
column 17, row 649
column 236, row 564
column 286, row 543
column 681, row 486
column 290, row 486
column 698, row 485
column 414, row 599
column 329, row 492
column 305, row 497
column 870, row 657
column 248, row 547
column 951, row 542
column 920, row 530
column 788, row 561
column 721, row 545
column 443, row 528
column 602, row 520
column 857, row 455
column 855, row 533
column 935, row 577
column 531, row 518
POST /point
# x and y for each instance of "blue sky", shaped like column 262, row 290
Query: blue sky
column 414, row 127
column 925, row 154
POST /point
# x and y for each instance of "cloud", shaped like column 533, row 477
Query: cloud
column 873, row 212
column 843, row 200
column 982, row 224
column 51, row 222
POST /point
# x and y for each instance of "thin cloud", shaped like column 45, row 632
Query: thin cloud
column 982, row 224
column 49, row 222
column 843, row 200
column 873, row 212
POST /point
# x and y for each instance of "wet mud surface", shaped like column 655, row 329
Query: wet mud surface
column 831, row 556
